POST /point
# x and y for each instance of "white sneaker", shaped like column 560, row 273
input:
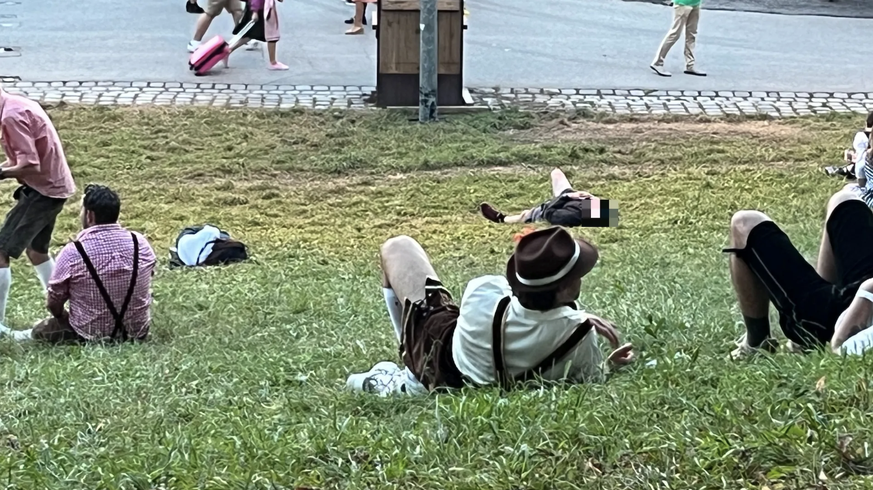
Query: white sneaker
column 193, row 45
column 252, row 46
column 744, row 350
column 660, row 71
column 384, row 379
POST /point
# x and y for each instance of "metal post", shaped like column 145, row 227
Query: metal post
column 427, row 82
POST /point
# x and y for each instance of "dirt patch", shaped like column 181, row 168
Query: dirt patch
column 566, row 130
column 821, row 8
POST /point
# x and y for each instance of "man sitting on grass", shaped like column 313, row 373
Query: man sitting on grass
column 568, row 207
column 854, row 157
column 105, row 275
column 508, row 328
column 829, row 302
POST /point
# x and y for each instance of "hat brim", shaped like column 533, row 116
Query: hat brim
column 588, row 256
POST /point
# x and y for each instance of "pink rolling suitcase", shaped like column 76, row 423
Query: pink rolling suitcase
column 211, row 52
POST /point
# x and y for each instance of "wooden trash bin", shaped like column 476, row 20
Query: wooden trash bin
column 398, row 50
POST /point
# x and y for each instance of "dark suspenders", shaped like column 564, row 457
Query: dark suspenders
column 503, row 378
column 116, row 315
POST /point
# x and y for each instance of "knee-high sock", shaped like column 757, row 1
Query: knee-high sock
column 44, row 272
column 5, row 284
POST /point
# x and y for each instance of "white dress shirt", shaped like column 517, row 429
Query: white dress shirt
column 529, row 337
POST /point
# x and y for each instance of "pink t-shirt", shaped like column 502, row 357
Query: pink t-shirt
column 30, row 138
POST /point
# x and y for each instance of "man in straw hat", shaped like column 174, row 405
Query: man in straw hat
column 509, row 328
column 831, row 302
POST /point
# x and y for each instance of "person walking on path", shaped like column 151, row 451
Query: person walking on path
column 35, row 158
column 266, row 29
column 212, row 10
column 686, row 14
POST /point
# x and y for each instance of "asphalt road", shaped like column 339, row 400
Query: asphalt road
column 510, row 43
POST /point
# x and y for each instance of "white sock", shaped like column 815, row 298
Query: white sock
column 395, row 311
column 44, row 272
column 19, row 335
column 5, row 284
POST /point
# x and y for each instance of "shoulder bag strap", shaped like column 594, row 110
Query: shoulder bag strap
column 549, row 362
column 497, row 341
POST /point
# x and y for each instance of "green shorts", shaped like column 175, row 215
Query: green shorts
column 30, row 223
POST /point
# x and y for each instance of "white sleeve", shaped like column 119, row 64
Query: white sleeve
column 859, row 168
column 587, row 362
column 860, row 143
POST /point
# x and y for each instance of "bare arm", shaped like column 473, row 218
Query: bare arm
column 21, row 147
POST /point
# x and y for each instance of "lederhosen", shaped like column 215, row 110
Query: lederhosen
column 119, row 332
column 426, row 347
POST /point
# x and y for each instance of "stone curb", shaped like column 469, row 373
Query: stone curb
column 651, row 102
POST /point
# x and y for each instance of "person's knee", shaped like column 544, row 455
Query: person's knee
column 843, row 195
column 395, row 246
column 742, row 223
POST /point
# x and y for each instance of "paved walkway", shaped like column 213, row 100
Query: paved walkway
column 512, row 43
column 776, row 104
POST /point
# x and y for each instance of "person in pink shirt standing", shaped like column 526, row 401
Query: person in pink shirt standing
column 266, row 29
column 35, row 158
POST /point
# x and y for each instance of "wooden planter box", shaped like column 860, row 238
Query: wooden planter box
column 398, row 45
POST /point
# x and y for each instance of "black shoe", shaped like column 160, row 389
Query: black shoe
column 193, row 8
column 352, row 21
column 491, row 214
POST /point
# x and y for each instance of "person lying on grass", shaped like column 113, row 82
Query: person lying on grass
column 106, row 277
column 509, row 328
column 854, row 156
column 568, row 207
column 828, row 302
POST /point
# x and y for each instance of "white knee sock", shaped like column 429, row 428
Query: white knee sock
column 19, row 335
column 5, row 284
column 44, row 272
column 395, row 311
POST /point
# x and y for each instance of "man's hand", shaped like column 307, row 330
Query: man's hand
column 605, row 329
column 622, row 356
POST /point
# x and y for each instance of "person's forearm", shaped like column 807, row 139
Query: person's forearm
column 56, row 308
column 18, row 171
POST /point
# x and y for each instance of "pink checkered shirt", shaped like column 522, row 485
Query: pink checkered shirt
column 110, row 248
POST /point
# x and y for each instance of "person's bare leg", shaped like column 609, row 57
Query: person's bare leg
column 856, row 319
column 203, row 23
column 271, row 51
column 517, row 218
column 357, row 27
column 560, row 183
column 405, row 267
column 751, row 294
column 826, row 265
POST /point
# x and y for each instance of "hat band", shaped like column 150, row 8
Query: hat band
column 555, row 277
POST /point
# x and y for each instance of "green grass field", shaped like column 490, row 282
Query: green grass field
column 242, row 384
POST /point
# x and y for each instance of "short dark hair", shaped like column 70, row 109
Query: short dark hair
column 103, row 202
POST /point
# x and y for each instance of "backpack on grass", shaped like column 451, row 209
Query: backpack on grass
column 225, row 250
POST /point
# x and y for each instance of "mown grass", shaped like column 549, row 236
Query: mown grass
column 242, row 385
